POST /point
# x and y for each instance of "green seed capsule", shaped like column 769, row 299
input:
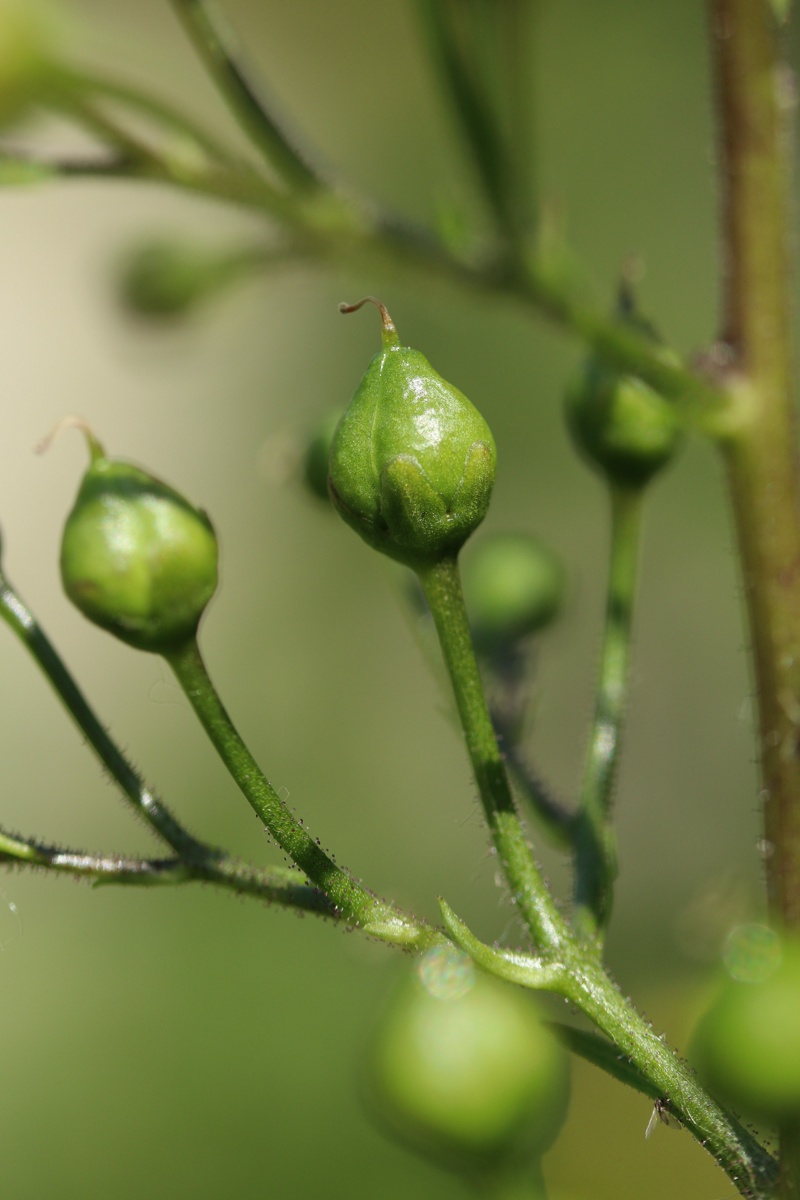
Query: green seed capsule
column 462, row 1069
column 513, row 585
column 412, row 462
column 747, row 1046
column 166, row 279
column 136, row 557
column 624, row 428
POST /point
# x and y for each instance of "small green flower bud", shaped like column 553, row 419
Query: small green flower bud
column 25, row 44
column 412, row 461
column 317, row 456
column 747, row 1046
column 462, row 1070
column 165, row 279
column 624, row 428
column 136, row 557
column 513, row 586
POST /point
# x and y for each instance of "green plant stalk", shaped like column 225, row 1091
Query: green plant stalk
column 350, row 900
column 746, row 1163
column 88, row 87
column 275, row 885
column 22, row 622
column 582, row 980
column 761, row 457
column 555, row 820
column 595, row 844
column 196, row 860
column 359, row 237
column 217, row 46
column 476, row 116
column 600, row 1052
column 441, row 583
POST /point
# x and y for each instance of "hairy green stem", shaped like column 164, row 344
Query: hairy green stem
column 746, row 1163
column 556, row 820
column 350, row 900
column 647, row 1060
column 762, row 457
column 753, row 112
column 595, row 844
column 23, row 623
column 442, row 586
column 276, row 885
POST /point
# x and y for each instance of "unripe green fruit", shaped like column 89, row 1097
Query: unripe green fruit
column 624, row 428
column 136, row 557
column 25, row 40
column 513, row 585
column 168, row 279
column 747, row 1046
column 412, row 462
column 468, row 1075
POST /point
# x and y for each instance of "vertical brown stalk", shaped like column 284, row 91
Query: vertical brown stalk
column 753, row 91
column 760, row 453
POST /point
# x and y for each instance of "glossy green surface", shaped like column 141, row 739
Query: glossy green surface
column 412, row 461
column 136, row 557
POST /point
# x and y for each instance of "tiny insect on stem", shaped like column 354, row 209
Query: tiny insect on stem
column 659, row 1115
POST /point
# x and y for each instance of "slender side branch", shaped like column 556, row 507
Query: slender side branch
column 556, row 820
column 276, row 885
column 216, row 44
column 595, row 844
column 442, row 586
column 23, row 623
column 633, row 1051
column 349, row 898
column 89, row 87
column 475, row 115
column 602, row 1053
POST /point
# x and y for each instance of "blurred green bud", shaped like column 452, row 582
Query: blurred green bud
column 412, row 461
column 513, row 585
column 462, row 1070
column 167, row 278
column 747, row 1046
column 317, row 456
column 136, row 557
column 624, row 428
column 26, row 37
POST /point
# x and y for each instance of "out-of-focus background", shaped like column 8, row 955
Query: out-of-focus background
column 185, row 1043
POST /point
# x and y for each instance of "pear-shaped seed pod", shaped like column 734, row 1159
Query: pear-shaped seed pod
column 412, row 461
column 624, row 428
column 136, row 557
column 463, row 1070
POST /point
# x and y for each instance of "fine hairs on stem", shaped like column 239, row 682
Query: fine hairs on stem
column 410, row 466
